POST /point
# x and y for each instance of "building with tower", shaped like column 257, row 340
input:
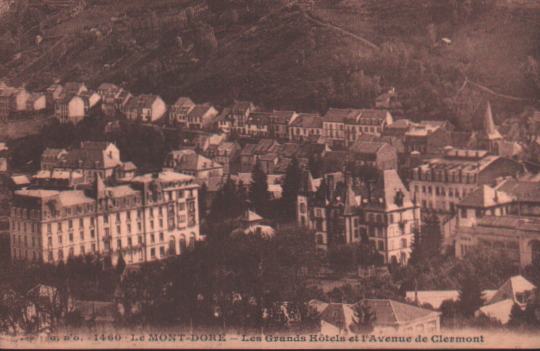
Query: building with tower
column 380, row 212
column 152, row 217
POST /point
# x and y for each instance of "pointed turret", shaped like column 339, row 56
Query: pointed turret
column 490, row 131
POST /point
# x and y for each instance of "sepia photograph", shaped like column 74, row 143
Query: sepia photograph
column 269, row 174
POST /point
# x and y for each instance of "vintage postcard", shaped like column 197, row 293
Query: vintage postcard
column 269, row 174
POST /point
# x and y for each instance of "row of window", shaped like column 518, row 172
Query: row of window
column 442, row 177
column 442, row 191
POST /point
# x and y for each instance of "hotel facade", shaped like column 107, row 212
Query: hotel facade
column 152, row 217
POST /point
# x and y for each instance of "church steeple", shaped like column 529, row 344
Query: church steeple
column 490, row 131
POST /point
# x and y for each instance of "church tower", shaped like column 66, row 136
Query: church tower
column 489, row 136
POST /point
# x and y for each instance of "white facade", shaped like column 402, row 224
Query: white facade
column 150, row 219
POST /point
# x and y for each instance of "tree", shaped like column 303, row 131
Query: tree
column 120, row 264
column 367, row 255
column 417, row 253
column 363, row 318
column 227, row 204
column 315, row 166
column 518, row 318
column 203, row 193
column 291, row 184
column 449, row 312
column 258, row 191
column 470, row 296
column 341, row 257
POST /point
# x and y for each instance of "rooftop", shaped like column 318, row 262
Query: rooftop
column 307, row 120
column 485, row 196
column 387, row 312
column 164, row 176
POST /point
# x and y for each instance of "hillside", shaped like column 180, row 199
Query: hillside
column 304, row 55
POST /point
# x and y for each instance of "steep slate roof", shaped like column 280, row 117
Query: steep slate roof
column 281, row 117
column 373, row 113
column 259, row 118
column 199, row 110
column 241, row 106
column 90, row 155
column 307, row 120
column 340, row 115
column 485, row 196
column 141, row 101
column 400, row 124
column 288, row 150
column 189, row 160
column 366, row 147
column 385, row 191
column 334, row 161
column 224, row 115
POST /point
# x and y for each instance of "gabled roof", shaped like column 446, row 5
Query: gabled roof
column 259, row 118
column 288, row 150
column 500, row 310
column 515, row 285
column 400, row 124
column 281, row 116
column 373, row 114
column 250, row 217
column 307, row 120
column 367, row 147
column 224, row 115
column 141, row 101
column 339, row 115
column 241, row 106
column 309, row 149
column 200, row 110
column 387, row 193
column 334, row 161
column 189, row 160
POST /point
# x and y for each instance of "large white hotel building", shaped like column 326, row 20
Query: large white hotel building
column 151, row 217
